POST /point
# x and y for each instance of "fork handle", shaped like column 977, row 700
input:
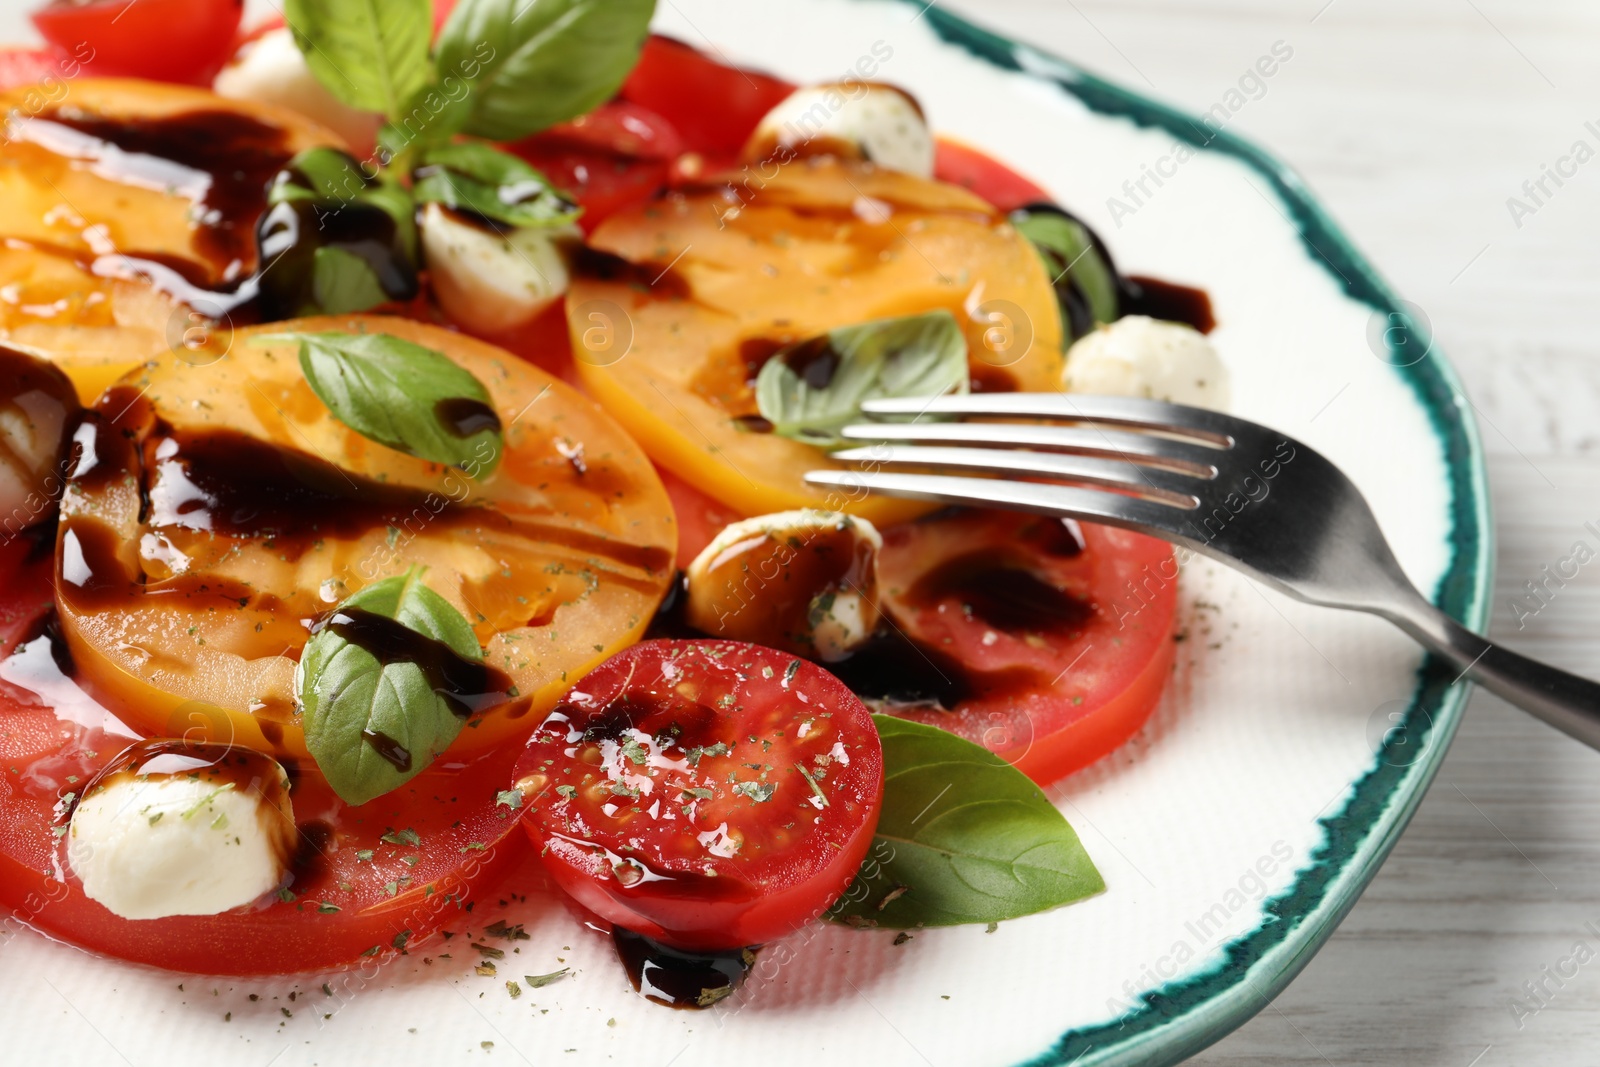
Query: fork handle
column 1569, row 703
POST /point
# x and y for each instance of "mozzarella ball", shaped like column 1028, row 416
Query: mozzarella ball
column 271, row 70
column 195, row 840
column 37, row 408
column 489, row 282
column 1149, row 358
column 858, row 120
column 804, row 581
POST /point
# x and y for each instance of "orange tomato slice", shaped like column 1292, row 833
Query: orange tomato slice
column 216, row 509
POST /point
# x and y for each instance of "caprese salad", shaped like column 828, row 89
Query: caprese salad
column 404, row 418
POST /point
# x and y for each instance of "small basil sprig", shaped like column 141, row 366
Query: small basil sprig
column 349, row 239
column 372, row 724
column 371, row 54
column 535, row 63
column 1084, row 278
column 496, row 185
column 402, row 395
column 964, row 837
column 811, row 390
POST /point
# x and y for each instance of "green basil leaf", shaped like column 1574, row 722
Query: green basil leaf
column 343, row 283
column 1071, row 257
column 811, row 390
column 402, row 395
column 474, row 177
column 534, row 63
column 356, row 707
column 964, row 837
column 372, row 54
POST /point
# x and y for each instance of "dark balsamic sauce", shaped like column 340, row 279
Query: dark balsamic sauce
column 1168, row 301
column 681, row 978
column 1003, row 597
column 294, row 230
column 388, row 749
column 311, row 859
column 468, row 686
column 669, row 621
column 231, row 483
column 464, row 416
column 814, row 361
column 93, row 575
column 1136, row 294
column 643, row 277
column 896, row 671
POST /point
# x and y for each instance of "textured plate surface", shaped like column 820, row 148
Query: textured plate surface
column 1233, row 834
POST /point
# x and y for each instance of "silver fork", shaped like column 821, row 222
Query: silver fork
column 1233, row 490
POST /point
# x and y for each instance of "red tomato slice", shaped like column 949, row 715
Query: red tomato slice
column 617, row 155
column 369, row 882
column 184, row 41
column 715, row 107
column 708, row 794
column 1057, row 649
column 997, row 183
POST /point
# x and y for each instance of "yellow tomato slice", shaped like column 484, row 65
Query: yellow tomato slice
column 109, row 217
column 184, row 615
column 714, row 280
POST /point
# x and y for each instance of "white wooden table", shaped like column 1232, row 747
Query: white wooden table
column 1416, row 120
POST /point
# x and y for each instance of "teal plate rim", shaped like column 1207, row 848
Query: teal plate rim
column 1182, row 1017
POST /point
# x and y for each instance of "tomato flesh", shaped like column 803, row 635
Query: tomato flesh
column 184, row 41
column 30, row 66
column 369, row 881
column 700, row 517
column 715, row 107
column 1057, row 639
column 984, row 176
column 708, row 794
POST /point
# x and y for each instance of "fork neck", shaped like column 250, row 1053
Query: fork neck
column 1569, row 703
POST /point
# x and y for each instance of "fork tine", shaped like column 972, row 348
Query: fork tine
column 1180, row 456
column 1089, row 505
column 1152, row 483
column 1198, row 423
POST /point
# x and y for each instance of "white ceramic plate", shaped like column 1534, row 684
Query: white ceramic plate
column 1233, row 833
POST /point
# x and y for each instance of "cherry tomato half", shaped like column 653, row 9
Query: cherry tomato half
column 708, row 794
column 369, row 881
column 184, row 41
column 1058, row 638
